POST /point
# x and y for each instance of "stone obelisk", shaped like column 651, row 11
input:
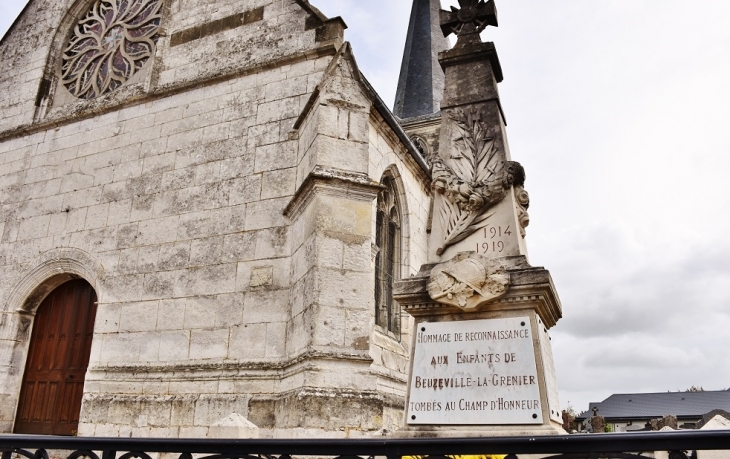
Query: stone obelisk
column 482, row 362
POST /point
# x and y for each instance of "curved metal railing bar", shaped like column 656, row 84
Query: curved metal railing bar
column 680, row 445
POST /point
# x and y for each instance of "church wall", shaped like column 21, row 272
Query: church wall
column 187, row 222
column 391, row 356
column 212, row 299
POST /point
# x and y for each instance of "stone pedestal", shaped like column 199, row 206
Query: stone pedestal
column 491, row 371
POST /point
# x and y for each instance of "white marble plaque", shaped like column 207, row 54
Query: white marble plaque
column 475, row 372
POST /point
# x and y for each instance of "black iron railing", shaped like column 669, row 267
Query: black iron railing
column 679, row 445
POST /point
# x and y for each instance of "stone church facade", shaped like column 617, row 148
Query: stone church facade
column 235, row 201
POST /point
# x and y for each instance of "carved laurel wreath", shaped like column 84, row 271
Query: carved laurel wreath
column 109, row 45
column 475, row 178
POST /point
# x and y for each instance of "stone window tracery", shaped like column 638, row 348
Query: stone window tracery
column 109, row 45
column 387, row 259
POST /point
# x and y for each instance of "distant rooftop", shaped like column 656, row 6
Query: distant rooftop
column 651, row 406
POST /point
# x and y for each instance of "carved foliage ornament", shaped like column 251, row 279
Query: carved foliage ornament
column 474, row 178
column 468, row 281
column 110, row 45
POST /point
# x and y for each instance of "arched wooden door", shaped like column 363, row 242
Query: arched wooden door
column 60, row 346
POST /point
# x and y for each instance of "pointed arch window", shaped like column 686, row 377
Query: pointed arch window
column 387, row 259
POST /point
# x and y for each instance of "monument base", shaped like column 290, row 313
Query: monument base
column 484, row 373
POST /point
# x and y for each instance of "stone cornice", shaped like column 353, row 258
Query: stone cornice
column 478, row 52
column 232, row 368
column 530, row 288
column 331, row 182
column 418, row 122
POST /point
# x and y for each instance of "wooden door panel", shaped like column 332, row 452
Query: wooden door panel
column 80, row 339
column 49, row 401
column 53, row 383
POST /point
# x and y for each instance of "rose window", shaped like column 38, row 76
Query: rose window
column 110, row 45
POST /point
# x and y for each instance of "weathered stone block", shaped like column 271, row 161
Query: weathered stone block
column 248, row 341
column 275, row 156
column 173, row 256
column 150, row 347
column 278, row 183
column 147, row 259
column 174, row 345
column 266, row 306
column 280, row 274
column 278, row 110
column 228, row 310
column 158, row 285
column 211, row 408
column 243, row 190
column 233, row 426
column 182, row 412
column 206, row 251
column 266, row 214
column 198, row 312
column 272, row 243
column 262, row 276
column 327, row 152
column 344, row 289
column 239, row 246
column 171, row 314
column 117, row 348
column 209, row 344
column 35, row 227
column 331, row 325
column 276, row 339
column 120, row 289
column 136, row 317
column 203, row 280
column 96, row 216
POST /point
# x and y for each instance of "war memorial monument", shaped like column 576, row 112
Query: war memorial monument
column 482, row 362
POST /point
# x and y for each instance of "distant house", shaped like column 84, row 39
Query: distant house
column 634, row 412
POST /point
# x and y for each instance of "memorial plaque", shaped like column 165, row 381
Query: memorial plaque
column 475, row 372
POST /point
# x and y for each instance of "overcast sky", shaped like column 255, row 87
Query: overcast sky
column 619, row 111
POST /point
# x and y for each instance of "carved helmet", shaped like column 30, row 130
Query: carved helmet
column 470, row 272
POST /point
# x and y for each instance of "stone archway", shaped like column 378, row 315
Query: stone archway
column 51, row 270
column 58, row 357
